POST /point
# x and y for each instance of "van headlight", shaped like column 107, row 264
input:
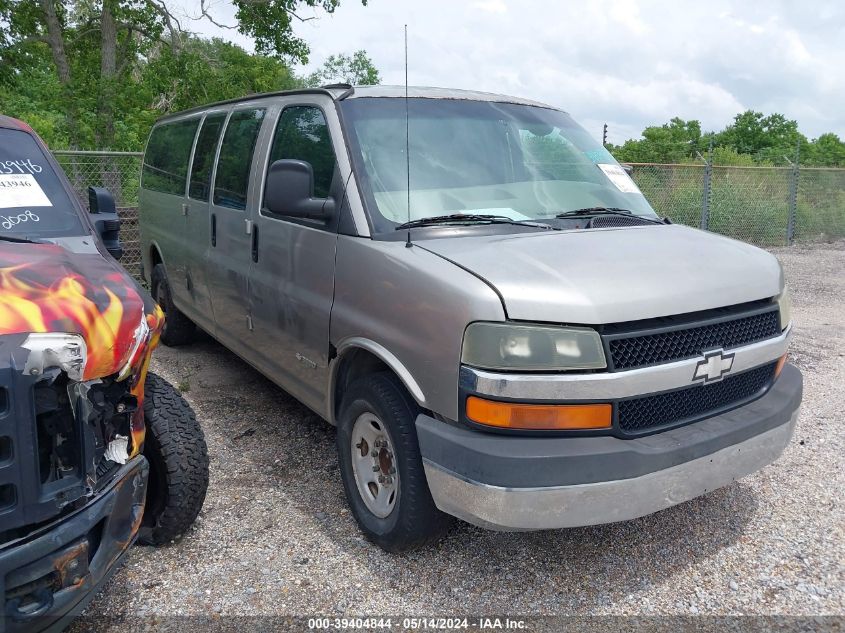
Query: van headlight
column 785, row 308
column 531, row 347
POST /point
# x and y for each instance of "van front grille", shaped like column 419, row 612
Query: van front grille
column 668, row 345
column 673, row 408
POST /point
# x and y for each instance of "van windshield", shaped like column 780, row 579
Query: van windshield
column 33, row 201
column 517, row 161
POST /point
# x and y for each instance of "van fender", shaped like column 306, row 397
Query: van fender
column 383, row 354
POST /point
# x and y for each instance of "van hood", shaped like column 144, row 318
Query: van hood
column 47, row 288
column 614, row 275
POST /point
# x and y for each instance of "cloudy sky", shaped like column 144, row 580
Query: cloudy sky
column 627, row 63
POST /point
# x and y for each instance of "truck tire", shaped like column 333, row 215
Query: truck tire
column 176, row 450
column 376, row 430
column 178, row 329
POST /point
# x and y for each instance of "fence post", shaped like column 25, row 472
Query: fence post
column 705, row 195
column 793, row 198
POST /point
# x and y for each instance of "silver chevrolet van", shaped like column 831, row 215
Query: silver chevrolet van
column 478, row 296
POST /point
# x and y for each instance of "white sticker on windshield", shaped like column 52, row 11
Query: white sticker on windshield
column 619, row 177
column 21, row 190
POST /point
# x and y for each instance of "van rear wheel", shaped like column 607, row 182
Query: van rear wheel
column 381, row 467
column 178, row 329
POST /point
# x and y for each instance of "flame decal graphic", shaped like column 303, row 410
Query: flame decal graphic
column 45, row 288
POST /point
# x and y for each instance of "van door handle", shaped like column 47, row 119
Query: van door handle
column 213, row 229
column 255, row 243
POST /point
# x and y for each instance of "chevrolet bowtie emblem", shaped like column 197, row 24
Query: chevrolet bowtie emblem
column 714, row 366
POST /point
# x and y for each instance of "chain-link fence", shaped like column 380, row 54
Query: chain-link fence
column 120, row 173
column 767, row 206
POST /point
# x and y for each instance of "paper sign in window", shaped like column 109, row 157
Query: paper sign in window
column 619, row 178
column 21, row 190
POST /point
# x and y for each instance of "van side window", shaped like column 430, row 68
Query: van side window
column 302, row 133
column 232, row 178
column 166, row 159
column 200, row 184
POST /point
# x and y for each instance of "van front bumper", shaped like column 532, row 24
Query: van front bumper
column 49, row 576
column 515, row 483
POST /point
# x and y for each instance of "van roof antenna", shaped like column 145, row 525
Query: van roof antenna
column 407, row 141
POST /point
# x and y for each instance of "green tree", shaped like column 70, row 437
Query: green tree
column 729, row 156
column 825, row 151
column 673, row 142
column 97, row 49
column 209, row 70
column 356, row 69
column 767, row 138
column 753, row 138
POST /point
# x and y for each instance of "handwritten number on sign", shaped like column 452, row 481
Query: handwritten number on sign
column 7, row 222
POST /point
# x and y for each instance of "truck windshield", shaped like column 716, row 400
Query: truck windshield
column 33, row 202
column 518, row 161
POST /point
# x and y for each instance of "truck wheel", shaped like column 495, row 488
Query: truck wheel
column 381, row 467
column 178, row 329
column 175, row 447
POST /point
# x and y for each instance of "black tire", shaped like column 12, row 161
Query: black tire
column 414, row 520
column 175, row 447
column 178, row 329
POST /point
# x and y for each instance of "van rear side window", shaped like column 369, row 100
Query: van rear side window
column 232, row 178
column 200, row 185
column 167, row 156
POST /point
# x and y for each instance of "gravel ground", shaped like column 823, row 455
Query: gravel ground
column 275, row 536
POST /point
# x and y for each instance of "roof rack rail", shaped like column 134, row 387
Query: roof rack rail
column 348, row 89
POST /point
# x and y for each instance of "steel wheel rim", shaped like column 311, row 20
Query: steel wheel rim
column 374, row 464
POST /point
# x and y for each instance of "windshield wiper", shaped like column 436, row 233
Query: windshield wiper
column 470, row 218
column 609, row 211
column 17, row 240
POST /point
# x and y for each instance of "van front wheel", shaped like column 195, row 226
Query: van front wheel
column 178, row 329
column 381, row 467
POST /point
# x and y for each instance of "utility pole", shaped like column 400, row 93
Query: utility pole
column 793, row 195
column 604, row 136
column 704, row 224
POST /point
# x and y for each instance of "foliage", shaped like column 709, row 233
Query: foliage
column 270, row 24
column 96, row 75
column 673, row 142
column 826, row 151
column 204, row 71
column 356, row 69
column 752, row 139
column 730, row 157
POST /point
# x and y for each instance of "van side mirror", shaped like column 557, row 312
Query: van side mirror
column 290, row 191
column 629, row 169
column 101, row 205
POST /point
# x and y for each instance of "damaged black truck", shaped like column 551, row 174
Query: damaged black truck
column 95, row 451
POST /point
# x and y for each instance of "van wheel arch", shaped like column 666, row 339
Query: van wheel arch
column 178, row 328
column 354, row 363
column 155, row 259
column 155, row 256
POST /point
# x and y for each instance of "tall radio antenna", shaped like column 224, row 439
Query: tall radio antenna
column 407, row 141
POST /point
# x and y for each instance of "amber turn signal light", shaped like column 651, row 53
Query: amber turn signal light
column 779, row 367
column 547, row 417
